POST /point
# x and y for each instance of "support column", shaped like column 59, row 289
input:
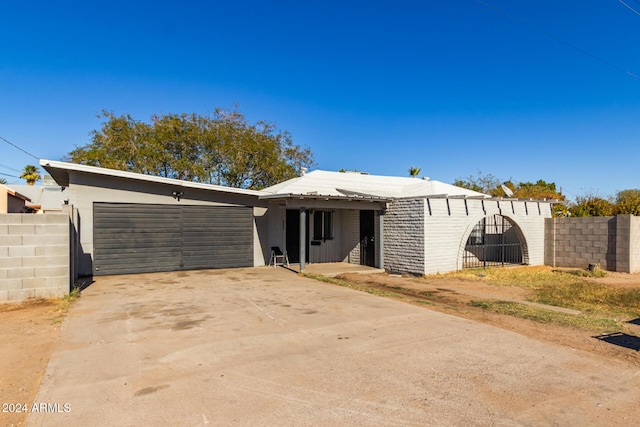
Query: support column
column 381, row 238
column 303, row 238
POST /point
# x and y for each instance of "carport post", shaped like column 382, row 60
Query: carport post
column 303, row 237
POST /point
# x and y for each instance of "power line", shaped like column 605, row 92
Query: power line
column 15, row 146
column 558, row 39
column 8, row 167
column 12, row 176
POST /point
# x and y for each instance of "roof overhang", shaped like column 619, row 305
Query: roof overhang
column 484, row 198
column 350, row 198
column 317, row 201
column 14, row 193
column 59, row 171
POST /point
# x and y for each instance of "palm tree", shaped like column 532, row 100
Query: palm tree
column 3, row 181
column 31, row 174
column 414, row 172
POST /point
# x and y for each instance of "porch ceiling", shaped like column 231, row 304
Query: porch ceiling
column 360, row 202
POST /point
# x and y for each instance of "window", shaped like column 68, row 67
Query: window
column 323, row 225
column 477, row 234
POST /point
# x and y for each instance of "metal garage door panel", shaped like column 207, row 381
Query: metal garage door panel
column 217, row 237
column 134, row 238
column 140, row 238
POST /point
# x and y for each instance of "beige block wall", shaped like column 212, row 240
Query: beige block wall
column 34, row 256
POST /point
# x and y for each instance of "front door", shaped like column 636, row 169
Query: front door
column 367, row 239
column 293, row 235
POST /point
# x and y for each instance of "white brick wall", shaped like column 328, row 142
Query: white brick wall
column 428, row 236
column 34, row 256
column 404, row 237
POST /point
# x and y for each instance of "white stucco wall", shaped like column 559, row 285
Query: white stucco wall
column 428, row 236
column 449, row 222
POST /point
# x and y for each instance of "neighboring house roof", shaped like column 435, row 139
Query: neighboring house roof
column 15, row 193
column 45, row 196
column 353, row 184
column 60, row 173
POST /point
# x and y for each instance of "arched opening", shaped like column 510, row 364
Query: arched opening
column 493, row 242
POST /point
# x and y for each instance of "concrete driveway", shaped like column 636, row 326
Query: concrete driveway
column 262, row 346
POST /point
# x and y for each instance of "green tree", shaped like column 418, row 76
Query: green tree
column 414, row 172
column 31, row 174
column 591, row 205
column 487, row 184
column 628, row 202
column 219, row 148
column 3, row 181
column 537, row 190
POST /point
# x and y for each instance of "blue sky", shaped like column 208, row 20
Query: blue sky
column 525, row 90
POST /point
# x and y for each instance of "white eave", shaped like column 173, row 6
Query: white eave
column 59, row 171
column 291, row 196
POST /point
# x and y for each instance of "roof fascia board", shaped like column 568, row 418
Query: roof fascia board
column 53, row 167
column 353, row 204
column 293, row 196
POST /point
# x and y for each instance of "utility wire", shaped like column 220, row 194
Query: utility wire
column 629, row 7
column 12, row 176
column 15, row 146
column 9, row 167
column 559, row 40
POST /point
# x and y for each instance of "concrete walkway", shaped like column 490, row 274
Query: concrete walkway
column 265, row 347
column 332, row 269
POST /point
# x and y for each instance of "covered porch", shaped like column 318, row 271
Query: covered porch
column 313, row 229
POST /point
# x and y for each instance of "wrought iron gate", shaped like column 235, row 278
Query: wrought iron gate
column 493, row 242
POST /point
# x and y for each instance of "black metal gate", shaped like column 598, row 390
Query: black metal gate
column 493, row 242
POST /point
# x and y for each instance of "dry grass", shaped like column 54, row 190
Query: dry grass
column 603, row 307
column 524, row 277
column 569, row 289
column 64, row 303
column 590, row 322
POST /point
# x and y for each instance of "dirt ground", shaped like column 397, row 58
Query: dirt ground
column 29, row 331
column 452, row 295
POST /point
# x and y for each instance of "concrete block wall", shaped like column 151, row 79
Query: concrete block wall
column 449, row 221
column 578, row 242
column 34, row 256
column 404, row 237
column 634, row 244
column 612, row 242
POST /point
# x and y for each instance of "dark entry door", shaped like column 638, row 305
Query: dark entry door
column 293, row 235
column 367, row 239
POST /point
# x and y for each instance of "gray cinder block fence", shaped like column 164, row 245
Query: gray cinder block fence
column 611, row 241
